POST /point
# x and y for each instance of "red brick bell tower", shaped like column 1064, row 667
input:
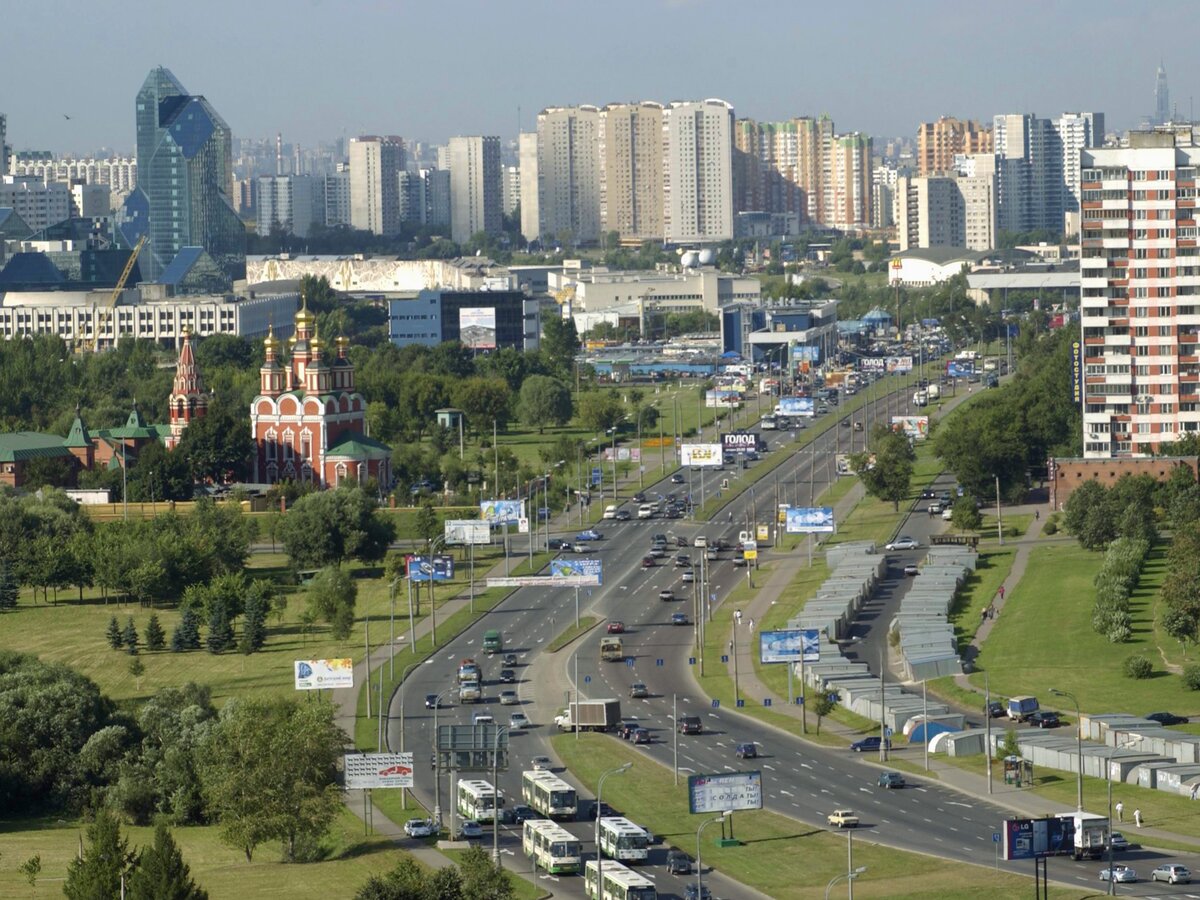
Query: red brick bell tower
column 188, row 400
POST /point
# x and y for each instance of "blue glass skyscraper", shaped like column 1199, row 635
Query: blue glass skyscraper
column 185, row 167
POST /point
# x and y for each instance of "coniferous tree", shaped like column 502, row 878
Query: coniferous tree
column 156, row 638
column 97, row 873
column 161, row 872
column 220, row 631
column 187, row 632
column 254, row 623
column 115, row 639
column 129, row 637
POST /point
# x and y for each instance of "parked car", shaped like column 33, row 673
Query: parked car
column 679, row 618
column 679, row 863
column 1044, row 719
column 891, row 780
column 507, row 676
column 641, row 736
column 541, row 764
column 746, row 750
column 589, row 534
column 1172, row 874
column 904, row 542
column 948, row 514
column 419, row 828
column 1118, row 873
column 519, row 720
column 637, row 690
column 996, row 709
column 616, row 627
column 1166, row 718
column 508, row 698
column 470, row 830
column 867, row 744
column 666, row 594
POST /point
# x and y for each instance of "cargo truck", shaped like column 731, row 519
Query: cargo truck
column 493, row 642
column 1090, row 839
column 470, row 691
column 589, row 715
column 1021, row 708
column 468, row 670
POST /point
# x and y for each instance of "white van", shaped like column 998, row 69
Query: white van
column 610, row 512
column 645, row 511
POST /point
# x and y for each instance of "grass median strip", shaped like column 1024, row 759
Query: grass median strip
column 778, row 856
column 586, row 623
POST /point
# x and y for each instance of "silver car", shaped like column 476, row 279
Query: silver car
column 1172, row 874
column 1118, row 873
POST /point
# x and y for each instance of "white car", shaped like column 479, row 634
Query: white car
column 541, row 764
column 904, row 542
column 418, row 828
column 518, row 720
column 610, row 512
column 701, row 541
column 947, row 514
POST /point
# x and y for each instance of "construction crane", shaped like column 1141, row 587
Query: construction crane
column 91, row 344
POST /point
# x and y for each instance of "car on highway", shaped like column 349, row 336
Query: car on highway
column 508, row 698
column 639, row 497
column 419, row 828
column 688, row 575
column 928, row 494
column 646, row 511
column 904, row 542
column 858, row 426
column 690, row 725
column 652, row 554
column 868, row 744
column 739, row 561
column 679, row 618
column 589, row 534
column 678, row 479
column 1172, row 874
column 746, row 750
column 626, row 729
column 845, row 423
column 700, row 541
column 679, row 863
column 623, row 515
column 641, row 736
column 1119, row 873
column 648, row 562
column 666, row 594
column 1043, row 718
column 519, row 720
column 517, row 814
column 674, row 511
column 610, row 512
column 470, row 830
column 1119, row 841
column 891, row 780
column 693, row 891
column 575, row 548
column 935, row 507
column 1166, row 718
column 541, row 764
column 484, row 716
column 510, row 659
column 683, row 561
column 616, row 627
column 638, row 690
column 507, row 676
column 912, row 569
column 842, row 818
column 432, row 701
column 556, row 544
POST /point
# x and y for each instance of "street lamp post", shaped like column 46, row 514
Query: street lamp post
column 496, row 796
column 437, row 762
column 1112, row 884
column 849, row 876
column 403, row 686
column 599, row 792
column 1078, row 741
column 699, row 863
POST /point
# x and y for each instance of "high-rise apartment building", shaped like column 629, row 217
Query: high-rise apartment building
column 1076, row 132
column 39, row 204
column 293, row 202
column 698, row 171
column 848, row 191
column 780, row 167
column 813, row 164
column 425, row 198
column 185, row 175
column 1140, row 295
column 951, row 209
column 118, row 173
column 375, row 164
column 510, row 189
column 474, row 187
column 5, row 149
column 1162, row 97
column 527, row 162
column 631, row 170
column 939, row 142
column 337, row 196
column 568, row 171
column 977, row 182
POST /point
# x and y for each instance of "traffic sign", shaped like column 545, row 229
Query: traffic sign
column 724, row 657
column 597, row 474
column 629, row 661
column 766, row 701
column 887, row 732
column 587, row 679
column 741, row 702
column 799, row 701
column 691, row 661
column 716, row 703
column 658, row 662
column 995, row 837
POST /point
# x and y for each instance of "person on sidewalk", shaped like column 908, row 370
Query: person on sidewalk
column 737, row 616
column 1001, row 593
column 1137, row 817
column 1195, row 789
column 1120, row 808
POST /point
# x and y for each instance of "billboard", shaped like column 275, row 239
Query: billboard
column 477, row 327
column 502, row 512
column 424, row 568
column 543, row 581
column 806, row 353
column 726, row 398
column 623, row 454
column 1076, row 372
column 792, row 645
column 808, row 519
column 898, row 363
column 721, row 793
column 750, row 549
column 700, row 455
column 592, row 569
column 314, row 674
column 740, row 442
column 960, row 369
column 378, row 770
column 795, row 406
column 916, row 427
column 467, row 531
column 872, row 364
column 1031, row 838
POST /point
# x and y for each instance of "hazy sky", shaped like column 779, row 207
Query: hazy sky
column 317, row 69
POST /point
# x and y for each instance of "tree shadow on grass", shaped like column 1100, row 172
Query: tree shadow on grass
column 785, row 837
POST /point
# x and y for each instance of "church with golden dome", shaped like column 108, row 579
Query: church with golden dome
column 308, row 421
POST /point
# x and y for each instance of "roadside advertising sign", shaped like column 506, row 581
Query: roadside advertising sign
column 315, row 674
column 378, row 770
column 719, row 397
column 806, row 353
column 899, row 363
column 578, row 568
column 740, row 442
column 1076, row 372
column 724, row 793
column 960, row 369
column 790, row 645
column 750, row 549
column 424, row 568
column 623, row 454
column 763, row 532
column 544, row 581
column 502, row 512
column 467, row 531
column 808, row 519
column 708, row 455
column 1031, row 838
column 795, row 406
column 915, row 427
column 872, row 364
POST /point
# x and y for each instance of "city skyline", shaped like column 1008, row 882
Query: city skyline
column 367, row 77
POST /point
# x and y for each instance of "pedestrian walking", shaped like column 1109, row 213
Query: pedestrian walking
column 1195, row 789
column 737, row 616
column 751, row 624
column 1120, row 808
column 1037, row 515
column 1137, row 817
column 1002, row 593
column 982, row 614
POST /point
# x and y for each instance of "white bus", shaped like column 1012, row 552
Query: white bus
column 620, row 883
column 551, row 847
column 478, row 800
column 623, row 840
column 549, row 795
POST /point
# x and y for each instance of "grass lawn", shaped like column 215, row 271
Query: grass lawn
column 222, row 871
column 777, row 855
column 992, row 568
column 572, row 632
column 1026, row 652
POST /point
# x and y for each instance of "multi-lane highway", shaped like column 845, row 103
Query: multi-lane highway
column 799, row 779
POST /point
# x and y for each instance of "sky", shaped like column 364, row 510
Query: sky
column 320, row 69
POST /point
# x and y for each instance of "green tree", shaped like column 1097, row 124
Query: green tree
column 331, row 596
column 129, row 637
column 428, row 526
column 254, row 622
column 253, row 797
column 333, row 526
column 159, row 474
column 965, row 514
column 544, row 401
column 105, row 861
column 560, row 343
column 891, row 475
column 187, row 633
column 1089, row 515
column 114, row 635
column 220, row 631
column 483, row 879
column 137, row 669
column 9, row 588
column 1010, row 746
column 31, row 869
column 218, row 445
column 161, row 873
column 600, row 410
column 156, row 638
column 823, row 705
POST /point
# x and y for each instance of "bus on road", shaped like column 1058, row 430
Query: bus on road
column 623, row 840
column 551, row 847
column 478, row 800
column 549, row 795
column 620, row 883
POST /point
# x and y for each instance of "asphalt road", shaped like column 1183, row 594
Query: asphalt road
column 799, row 780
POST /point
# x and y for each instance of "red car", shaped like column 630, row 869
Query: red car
column 616, row 627
column 647, row 562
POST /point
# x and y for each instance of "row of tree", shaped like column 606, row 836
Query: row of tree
column 1115, row 583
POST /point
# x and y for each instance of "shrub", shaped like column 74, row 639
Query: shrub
column 1191, row 677
column 1051, row 527
column 1138, row 667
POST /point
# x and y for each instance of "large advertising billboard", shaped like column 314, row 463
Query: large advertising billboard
column 1076, row 372
column 623, row 454
column 574, row 569
column 722, row 398
column 915, row 427
column 502, row 512
column 960, row 369
column 707, row 455
column 806, row 353
column 809, row 519
column 899, row 363
column 795, row 406
column 467, row 531
column 1031, row 838
column 315, row 674
column 424, row 568
column 792, row 645
column 872, row 364
column 740, row 442
column 477, row 327
column 365, row 771
column 723, row 793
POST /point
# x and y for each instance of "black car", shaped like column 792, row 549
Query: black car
column 1044, row 719
column 690, row 725
column 747, row 750
column 639, row 497
column 507, row 676
column 1166, row 718
column 996, row 709
column 626, row 729
column 518, row 814
column 556, row 544
column 679, row 863
column 683, row 561
column 431, row 701
column 510, row 659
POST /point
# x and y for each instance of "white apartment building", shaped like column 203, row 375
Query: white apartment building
column 425, row 198
column 698, row 172
column 337, row 196
column 475, row 203
column 527, row 162
column 91, row 201
column 39, row 204
column 568, row 172
column 848, row 188
column 375, row 163
column 631, row 170
column 295, row 202
column 119, row 173
column 952, row 209
column 510, row 189
column 1140, row 304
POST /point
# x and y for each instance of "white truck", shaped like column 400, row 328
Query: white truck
column 470, row 681
column 589, row 715
column 1090, row 838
